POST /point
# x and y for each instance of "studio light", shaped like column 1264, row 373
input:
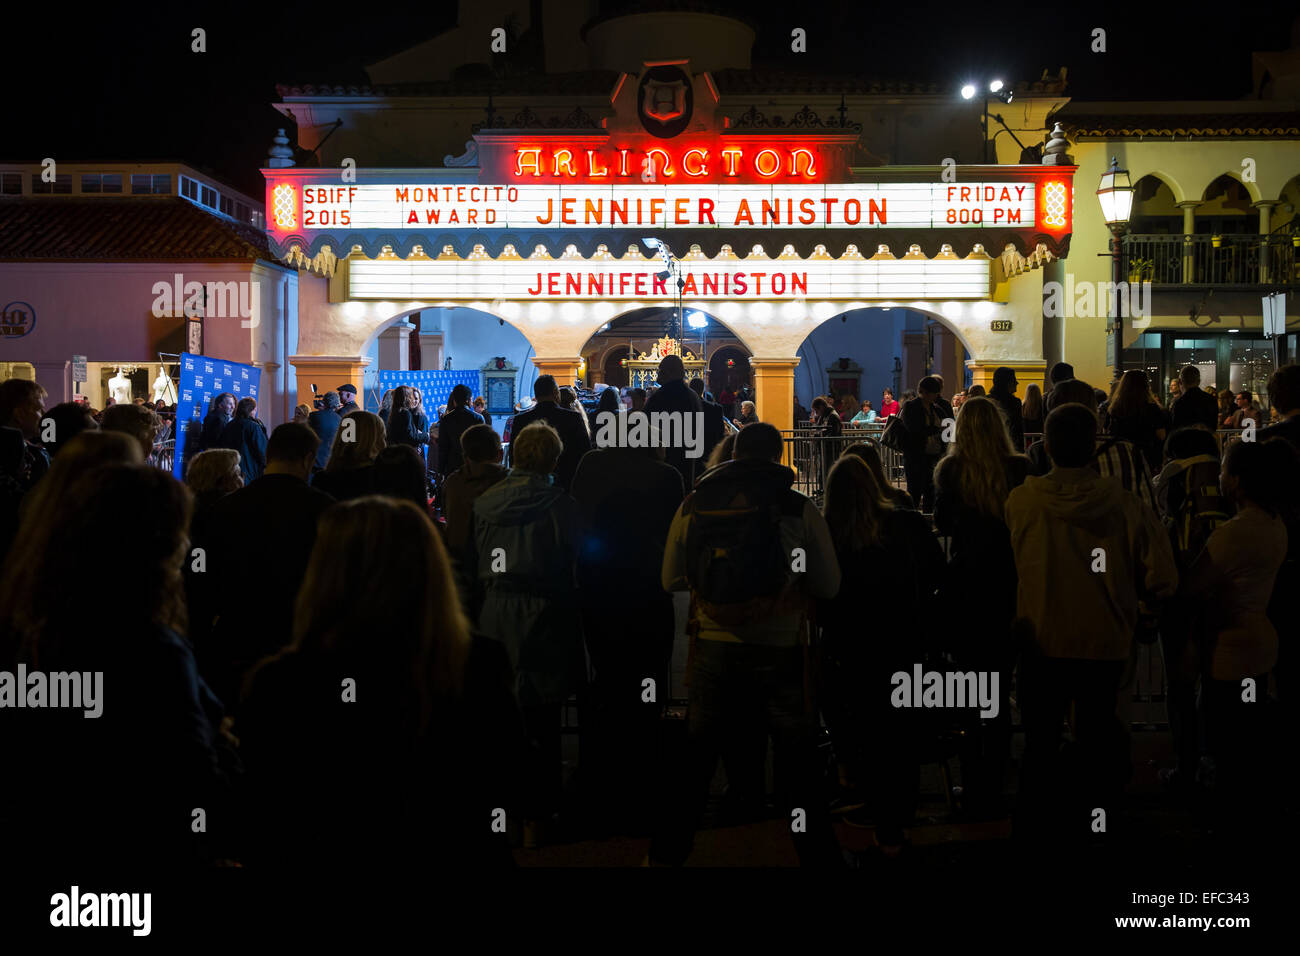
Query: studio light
column 995, row 86
column 696, row 320
column 663, row 276
column 651, row 242
column 968, row 91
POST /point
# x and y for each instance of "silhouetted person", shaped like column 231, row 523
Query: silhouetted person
column 626, row 498
column 923, row 419
column 116, row 789
column 324, row 421
column 714, row 429
column 246, row 435
column 1195, row 406
column 269, row 524
column 387, row 680
column 350, row 472
column 731, row 542
column 526, row 535
column 568, row 424
column 1077, row 622
column 673, row 395
column 459, row 418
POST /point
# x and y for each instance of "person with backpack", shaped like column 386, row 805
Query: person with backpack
column 754, row 552
column 1191, row 506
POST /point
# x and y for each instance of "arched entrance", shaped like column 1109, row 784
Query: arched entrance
column 470, row 345
column 634, row 333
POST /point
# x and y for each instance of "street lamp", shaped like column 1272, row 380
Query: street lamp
column 996, row 88
column 1115, row 193
column 672, row 270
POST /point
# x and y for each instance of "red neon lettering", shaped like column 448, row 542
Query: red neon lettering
column 794, row 163
column 771, row 171
column 732, row 159
column 562, row 159
column 701, row 169
column 665, row 169
column 592, row 171
column 529, row 157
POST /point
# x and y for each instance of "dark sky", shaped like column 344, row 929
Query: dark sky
column 134, row 91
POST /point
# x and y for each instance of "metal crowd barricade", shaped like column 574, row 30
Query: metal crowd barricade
column 811, row 453
column 164, row 455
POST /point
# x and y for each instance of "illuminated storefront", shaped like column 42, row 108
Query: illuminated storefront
column 774, row 233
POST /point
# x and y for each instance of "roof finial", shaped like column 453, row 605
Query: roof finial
column 1054, row 153
column 280, row 153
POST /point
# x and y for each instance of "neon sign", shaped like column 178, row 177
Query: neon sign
column 701, row 162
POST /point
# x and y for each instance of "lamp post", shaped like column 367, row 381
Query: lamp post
column 1115, row 193
column 672, row 270
column 996, row 88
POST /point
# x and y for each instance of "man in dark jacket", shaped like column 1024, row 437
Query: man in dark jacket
column 573, row 433
column 269, row 525
column 325, row 423
column 219, row 415
column 459, row 419
column 923, row 419
column 626, row 497
column 1195, row 406
column 246, row 435
column 481, row 452
column 1004, row 393
column 714, row 429
column 348, row 396
column 674, row 396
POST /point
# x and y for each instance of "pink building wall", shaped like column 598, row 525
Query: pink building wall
column 104, row 311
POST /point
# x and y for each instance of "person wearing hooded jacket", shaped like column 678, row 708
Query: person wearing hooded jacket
column 525, row 548
column 1004, row 393
column 1085, row 554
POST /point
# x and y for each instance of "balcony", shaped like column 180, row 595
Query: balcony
column 1231, row 261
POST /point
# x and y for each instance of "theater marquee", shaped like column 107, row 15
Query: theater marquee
column 756, row 278
column 816, row 206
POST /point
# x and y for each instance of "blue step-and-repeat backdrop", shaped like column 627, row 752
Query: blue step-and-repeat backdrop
column 435, row 386
column 202, row 379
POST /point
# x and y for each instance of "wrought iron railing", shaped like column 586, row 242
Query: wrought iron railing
column 1230, row 260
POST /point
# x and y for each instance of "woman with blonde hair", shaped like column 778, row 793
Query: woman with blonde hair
column 349, row 473
column 1033, row 412
column 875, row 542
column 383, row 677
column 150, row 753
column 301, row 413
column 972, row 482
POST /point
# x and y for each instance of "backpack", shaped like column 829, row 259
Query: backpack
column 738, row 565
column 1196, row 507
column 894, row 436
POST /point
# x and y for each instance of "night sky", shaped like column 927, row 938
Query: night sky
column 134, row 91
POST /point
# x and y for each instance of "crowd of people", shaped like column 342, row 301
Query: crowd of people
column 310, row 655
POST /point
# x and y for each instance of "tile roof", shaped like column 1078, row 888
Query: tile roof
column 137, row 228
column 1204, row 125
column 587, row 83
